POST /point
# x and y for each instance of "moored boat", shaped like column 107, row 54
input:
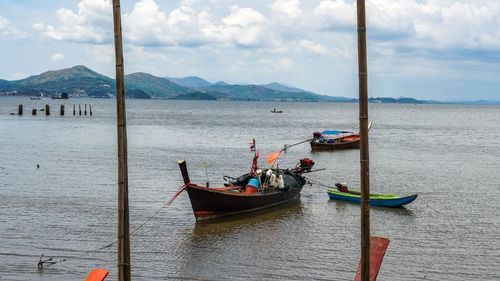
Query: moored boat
column 334, row 140
column 250, row 192
column 242, row 196
column 354, row 196
column 276, row 111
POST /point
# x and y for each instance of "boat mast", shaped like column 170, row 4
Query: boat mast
column 123, row 210
column 364, row 151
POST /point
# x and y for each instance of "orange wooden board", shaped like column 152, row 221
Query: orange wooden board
column 378, row 246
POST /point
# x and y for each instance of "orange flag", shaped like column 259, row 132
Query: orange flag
column 273, row 156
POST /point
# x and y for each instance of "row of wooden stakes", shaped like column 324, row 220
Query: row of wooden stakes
column 20, row 110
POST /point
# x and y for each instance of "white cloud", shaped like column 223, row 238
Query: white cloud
column 3, row 23
column 90, row 24
column 335, row 14
column 244, row 26
column 7, row 30
column 416, row 24
column 39, row 26
column 312, row 47
column 286, row 9
column 147, row 25
column 57, row 57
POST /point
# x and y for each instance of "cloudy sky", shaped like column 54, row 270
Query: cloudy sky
column 427, row 49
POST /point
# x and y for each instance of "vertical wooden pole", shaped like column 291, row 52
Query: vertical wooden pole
column 80, row 109
column 184, row 171
column 74, row 110
column 20, row 110
column 123, row 210
column 90, row 109
column 62, row 110
column 47, row 110
column 364, row 151
column 85, row 112
column 33, row 112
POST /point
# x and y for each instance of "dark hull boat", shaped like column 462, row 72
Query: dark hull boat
column 247, row 193
column 208, row 203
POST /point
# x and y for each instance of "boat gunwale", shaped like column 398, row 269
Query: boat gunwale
column 232, row 193
column 373, row 196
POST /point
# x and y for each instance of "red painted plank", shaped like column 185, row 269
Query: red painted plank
column 97, row 275
column 378, row 246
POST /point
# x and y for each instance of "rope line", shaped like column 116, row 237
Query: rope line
column 319, row 183
column 51, row 261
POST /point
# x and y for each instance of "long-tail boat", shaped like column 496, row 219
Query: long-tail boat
column 334, row 140
column 250, row 192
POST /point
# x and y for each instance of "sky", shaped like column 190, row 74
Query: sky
column 443, row 50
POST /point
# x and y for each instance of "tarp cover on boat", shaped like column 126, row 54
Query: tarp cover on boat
column 334, row 132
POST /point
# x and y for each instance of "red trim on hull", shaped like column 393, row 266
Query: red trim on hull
column 209, row 203
column 207, row 215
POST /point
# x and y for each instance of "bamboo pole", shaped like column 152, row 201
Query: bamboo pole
column 364, row 151
column 123, row 210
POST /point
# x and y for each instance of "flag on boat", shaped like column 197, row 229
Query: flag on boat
column 252, row 145
column 272, row 157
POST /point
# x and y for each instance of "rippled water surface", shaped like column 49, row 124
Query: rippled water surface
column 66, row 209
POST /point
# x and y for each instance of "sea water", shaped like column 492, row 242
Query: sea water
column 66, row 207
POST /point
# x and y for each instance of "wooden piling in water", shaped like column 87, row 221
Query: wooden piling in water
column 85, row 111
column 90, row 108
column 80, row 109
column 364, row 150
column 20, row 110
column 74, row 110
column 33, row 112
column 47, row 110
column 123, row 251
column 62, row 109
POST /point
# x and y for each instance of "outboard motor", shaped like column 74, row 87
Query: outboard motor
column 305, row 165
column 317, row 135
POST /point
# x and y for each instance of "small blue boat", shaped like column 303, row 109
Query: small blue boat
column 385, row 200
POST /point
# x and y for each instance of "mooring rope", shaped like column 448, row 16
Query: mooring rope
column 51, row 261
column 318, row 183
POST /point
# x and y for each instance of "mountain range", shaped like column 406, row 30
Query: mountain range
column 82, row 81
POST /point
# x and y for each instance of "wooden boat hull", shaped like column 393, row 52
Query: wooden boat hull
column 384, row 200
column 352, row 144
column 209, row 203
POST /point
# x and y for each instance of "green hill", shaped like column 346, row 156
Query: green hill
column 77, row 80
column 82, row 81
column 154, row 86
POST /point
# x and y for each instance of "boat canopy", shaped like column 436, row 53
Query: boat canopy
column 334, row 132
